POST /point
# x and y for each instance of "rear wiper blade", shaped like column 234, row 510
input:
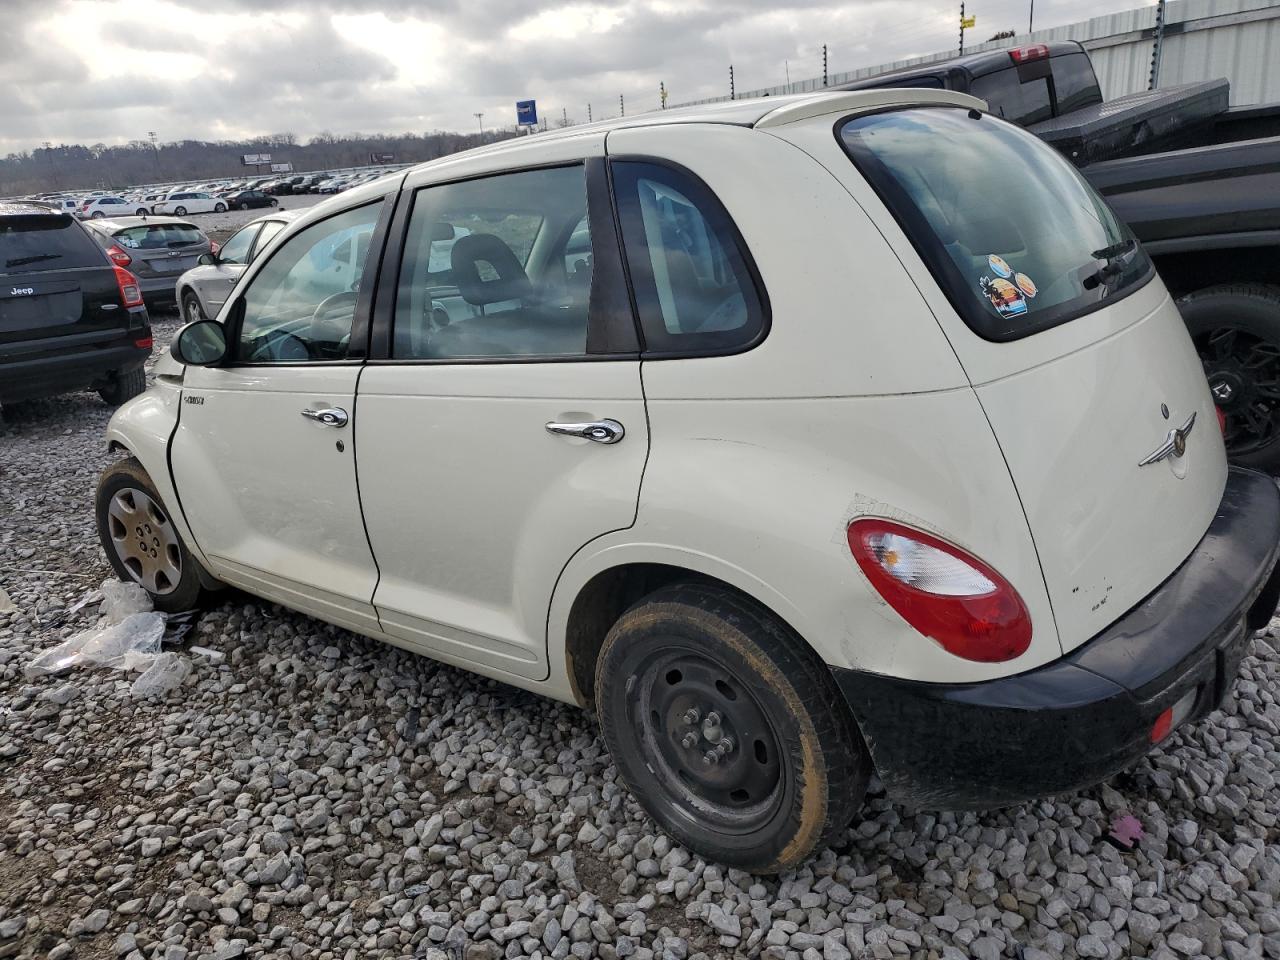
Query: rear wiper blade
column 1113, row 251
column 23, row 261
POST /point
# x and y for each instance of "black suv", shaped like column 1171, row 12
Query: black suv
column 69, row 318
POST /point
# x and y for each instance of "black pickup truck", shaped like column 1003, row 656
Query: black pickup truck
column 1197, row 181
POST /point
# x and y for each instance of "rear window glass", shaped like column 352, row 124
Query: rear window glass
column 172, row 236
column 1014, row 235
column 1008, row 97
column 44, row 242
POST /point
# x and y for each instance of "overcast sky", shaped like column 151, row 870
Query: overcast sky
column 88, row 71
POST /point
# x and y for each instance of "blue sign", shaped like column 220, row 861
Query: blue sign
column 527, row 113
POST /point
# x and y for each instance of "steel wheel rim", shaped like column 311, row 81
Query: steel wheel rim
column 743, row 788
column 192, row 307
column 144, row 540
column 1243, row 371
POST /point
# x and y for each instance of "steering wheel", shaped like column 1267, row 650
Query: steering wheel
column 327, row 308
column 281, row 345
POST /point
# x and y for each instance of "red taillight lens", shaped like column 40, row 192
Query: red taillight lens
column 214, row 247
column 119, row 257
column 1036, row 51
column 130, row 292
column 1222, row 420
column 144, row 343
column 943, row 592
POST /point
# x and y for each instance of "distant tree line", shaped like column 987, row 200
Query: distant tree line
column 76, row 166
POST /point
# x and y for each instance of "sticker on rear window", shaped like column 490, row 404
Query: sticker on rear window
column 1004, row 296
column 1026, row 285
column 999, row 267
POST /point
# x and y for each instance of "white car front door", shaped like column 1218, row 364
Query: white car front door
column 504, row 425
column 263, row 457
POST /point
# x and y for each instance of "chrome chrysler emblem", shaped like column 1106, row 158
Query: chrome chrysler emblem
column 1175, row 444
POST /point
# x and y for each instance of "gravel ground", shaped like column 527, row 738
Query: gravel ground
column 315, row 794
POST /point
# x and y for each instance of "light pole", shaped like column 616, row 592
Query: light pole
column 480, row 118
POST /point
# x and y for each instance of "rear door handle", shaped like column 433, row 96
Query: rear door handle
column 600, row 431
column 329, row 416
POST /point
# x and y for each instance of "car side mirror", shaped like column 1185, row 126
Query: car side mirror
column 207, row 260
column 200, row 344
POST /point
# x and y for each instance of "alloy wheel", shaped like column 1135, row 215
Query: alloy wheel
column 1243, row 371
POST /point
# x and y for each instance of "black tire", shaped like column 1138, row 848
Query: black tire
column 791, row 770
column 124, row 478
column 1236, row 330
column 140, row 212
column 179, row 211
column 274, row 203
column 192, row 309
column 123, row 385
column 219, row 208
column 97, row 215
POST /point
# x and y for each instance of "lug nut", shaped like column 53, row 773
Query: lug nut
column 689, row 740
column 710, row 758
column 692, row 715
column 725, row 746
column 713, row 718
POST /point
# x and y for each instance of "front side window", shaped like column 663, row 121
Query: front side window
column 269, row 229
column 301, row 306
column 1014, row 235
column 694, row 288
column 495, row 268
column 236, row 249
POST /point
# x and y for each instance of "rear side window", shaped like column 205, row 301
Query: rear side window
column 696, row 290
column 171, row 236
column 1017, row 239
column 1008, row 97
column 45, row 242
column 1074, row 82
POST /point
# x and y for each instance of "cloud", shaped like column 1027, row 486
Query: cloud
column 93, row 70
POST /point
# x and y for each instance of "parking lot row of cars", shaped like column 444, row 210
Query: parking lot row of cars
column 213, row 196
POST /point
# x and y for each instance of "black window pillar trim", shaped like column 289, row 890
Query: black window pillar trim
column 612, row 327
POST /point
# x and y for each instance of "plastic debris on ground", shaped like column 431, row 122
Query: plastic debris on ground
column 1126, row 831
column 126, row 637
column 6, row 605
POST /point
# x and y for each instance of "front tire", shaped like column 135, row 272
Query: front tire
column 727, row 729
column 124, row 385
column 140, row 212
column 1236, row 330
column 140, row 540
column 192, row 310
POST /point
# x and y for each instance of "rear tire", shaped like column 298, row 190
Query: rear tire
column 140, row 540
column 693, row 671
column 97, row 215
column 1236, row 330
column 124, row 385
column 219, row 208
column 179, row 211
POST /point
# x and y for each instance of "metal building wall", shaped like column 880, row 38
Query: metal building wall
column 1236, row 39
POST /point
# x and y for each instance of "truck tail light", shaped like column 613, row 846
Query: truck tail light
column 118, row 256
column 1170, row 717
column 945, row 593
column 1222, row 420
column 1035, row 51
column 130, row 292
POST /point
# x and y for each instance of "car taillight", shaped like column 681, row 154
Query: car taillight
column 1222, row 420
column 1036, row 51
column 214, row 246
column 130, row 292
column 144, row 343
column 119, row 257
column 942, row 591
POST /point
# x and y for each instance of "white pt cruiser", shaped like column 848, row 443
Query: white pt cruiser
column 798, row 438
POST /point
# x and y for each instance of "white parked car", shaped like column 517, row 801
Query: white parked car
column 184, row 202
column 798, row 437
column 95, row 208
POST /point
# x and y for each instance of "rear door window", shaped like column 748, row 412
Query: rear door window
column 1008, row 97
column 1016, row 237
column 45, row 242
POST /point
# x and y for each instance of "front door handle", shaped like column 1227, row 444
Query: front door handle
column 601, row 431
column 329, row 416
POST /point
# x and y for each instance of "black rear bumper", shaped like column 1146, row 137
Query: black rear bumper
column 1080, row 719
column 51, row 372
